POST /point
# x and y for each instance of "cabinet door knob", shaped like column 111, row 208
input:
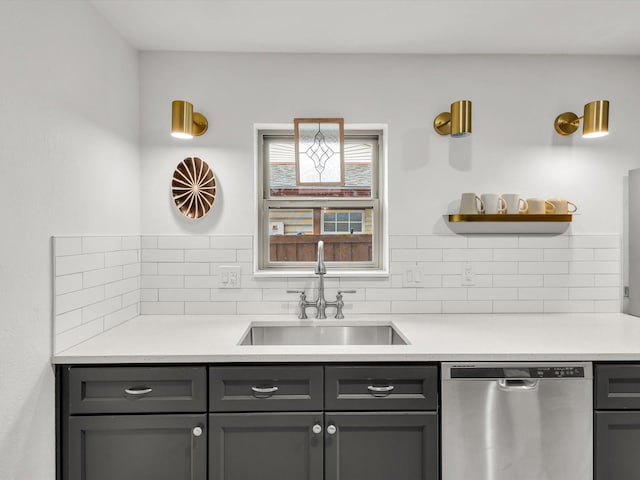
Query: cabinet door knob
column 331, row 429
column 317, row 428
column 197, row 431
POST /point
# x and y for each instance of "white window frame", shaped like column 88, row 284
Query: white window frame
column 379, row 202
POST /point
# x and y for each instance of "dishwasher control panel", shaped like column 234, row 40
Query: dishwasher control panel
column 514, row 371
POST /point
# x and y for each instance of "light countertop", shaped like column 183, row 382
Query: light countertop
column 445, row 337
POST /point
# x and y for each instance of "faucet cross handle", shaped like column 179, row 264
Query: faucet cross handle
column 302, row 303
column 340, row 303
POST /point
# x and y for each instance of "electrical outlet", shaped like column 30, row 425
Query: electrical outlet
column 468, row 275
column 229, row 276
column 413, row 277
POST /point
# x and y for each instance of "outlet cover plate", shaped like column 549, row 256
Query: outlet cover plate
column 229, row 276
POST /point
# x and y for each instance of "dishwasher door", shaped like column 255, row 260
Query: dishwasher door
column 517, row 421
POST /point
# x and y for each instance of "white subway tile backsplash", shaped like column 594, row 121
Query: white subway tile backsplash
column 78, row 299
column 116, row 318
column 101, row 244
column 441, row 294
column 125, row 257
column 164, row 281
column 477, row 306
column 594, row 241
column 182, row 268
column 68, row 283
column 100, row 309
column 467, row 254
column 543, row 241
column 403, row 241
column 594, row 267
column 518, row 255
column 416, row 255
column 182, row 242
column 67, row 321
column 148, row 241
column 493, row 241
column 210, row 308
column 441, row 241
column 543, row 267
column 567, row 254
column 222, row 242
column 604, row 254
column 572, row 280
column 74, row 336
column 79, row 263
column 63, row 246
column 210, row 255
column 557, row 293
column 111, row 279
column 378, row 294
column 518, row 280
column 162, row 255
column 101, row 277
column 162, row 308
column 184, row 294
column 595, row 293
column 423, row 306
column 519, row 306
column 605, row 281
column 568, row 306
column 492, row 293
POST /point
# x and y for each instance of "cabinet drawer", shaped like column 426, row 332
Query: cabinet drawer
column 265, row 388
column 392, row 387
column 136, row 389
column 617, row 387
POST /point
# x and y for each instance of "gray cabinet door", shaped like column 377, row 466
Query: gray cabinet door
column 617, row 446
column 381, row 446
column 135, row 447
column 265, row 446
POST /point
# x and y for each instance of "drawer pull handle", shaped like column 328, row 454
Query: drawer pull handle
column 137, row 391
column 265, row 390
column 380, row 391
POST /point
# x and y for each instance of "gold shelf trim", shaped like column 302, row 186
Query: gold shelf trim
column 520, row 217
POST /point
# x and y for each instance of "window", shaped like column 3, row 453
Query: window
column 346, row 216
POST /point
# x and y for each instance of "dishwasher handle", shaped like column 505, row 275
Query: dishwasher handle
column 516, row 385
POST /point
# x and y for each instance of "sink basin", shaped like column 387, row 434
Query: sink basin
column 314, row 334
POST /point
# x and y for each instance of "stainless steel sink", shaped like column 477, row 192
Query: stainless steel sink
column 315, row 334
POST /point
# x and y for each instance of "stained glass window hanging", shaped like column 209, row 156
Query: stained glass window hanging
column 319, row 151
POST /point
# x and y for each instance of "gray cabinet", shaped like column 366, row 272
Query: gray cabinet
column 240, row 422
column 132, row 423
column 265, row 446
column 382, row 446
column 617, row 422
column 337, row 422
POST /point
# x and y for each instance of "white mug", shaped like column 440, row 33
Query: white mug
column 493, row 203
column 562, row 206
column 539, row 206
column 469, row 204
column 514, row 204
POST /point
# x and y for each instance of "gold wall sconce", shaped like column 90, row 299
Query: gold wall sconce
column 457, row 122
column 185, row 123
column 595, row 120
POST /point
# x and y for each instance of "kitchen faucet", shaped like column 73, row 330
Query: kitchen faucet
column 320, row 303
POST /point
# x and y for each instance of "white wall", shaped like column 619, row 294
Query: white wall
column 69, row 164
column 513, row 148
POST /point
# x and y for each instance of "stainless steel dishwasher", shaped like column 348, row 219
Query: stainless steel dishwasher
column 517, row 421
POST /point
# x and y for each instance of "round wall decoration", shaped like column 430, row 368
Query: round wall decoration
column 193, row 187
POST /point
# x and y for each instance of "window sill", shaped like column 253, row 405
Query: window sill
column 300, row 273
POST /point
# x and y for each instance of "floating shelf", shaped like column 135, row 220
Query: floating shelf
column 519, row 223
